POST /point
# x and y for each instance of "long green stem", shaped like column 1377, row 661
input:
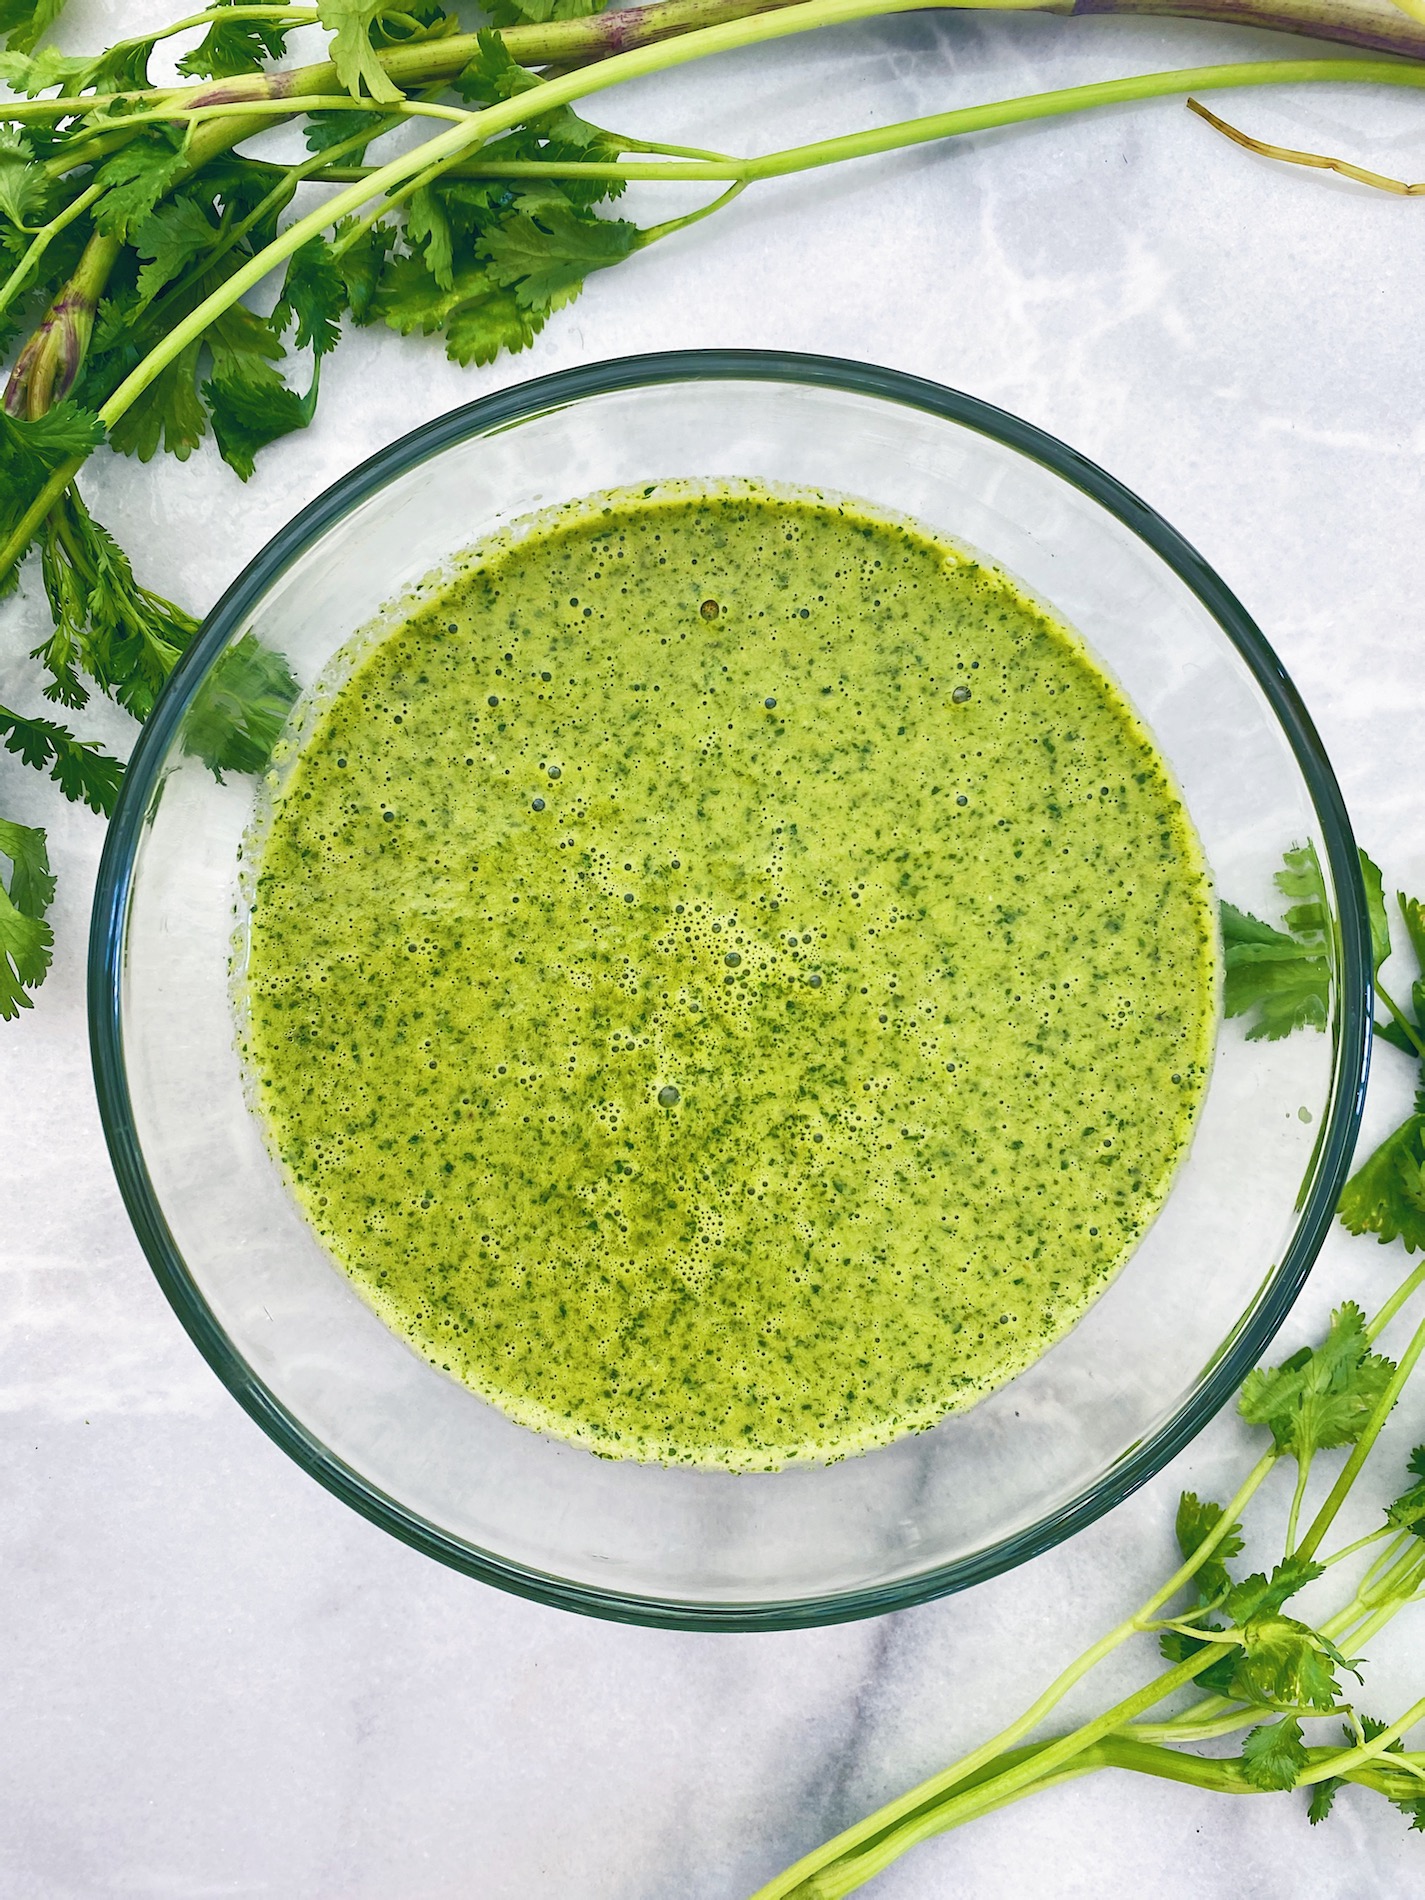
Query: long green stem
column 1368, row 1630
column 273, row 108
column 1303, row 1472
column 289, row 16
column 1350, row 1550
column 1393, row 1305
column 45, row 370
column 1212, row 1728
column 1384, row 1566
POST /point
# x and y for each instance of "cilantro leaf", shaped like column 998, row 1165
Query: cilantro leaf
column 24, row 22
column 1285, row 978
column 1273, row 1755
column 124, row 636
column 136, row 177
column 25, row 945
column 1285, row 1661
column 1413, row 914
column 359, row 70
column 31, row 449
column 240, row 709
column 480, row 329
column 1407, row 1513
column 1197, row 1519
column 247, row 416
column 1386, row 1194
column 79, row 768
column 540, row 12
column 1322, row 1796
column 1220, row 1660
column 122, row 67
column 428, row 229
column 1375, row 911
column 34, row 73
column 1300, row 879
column 169, row 413
column 25, row 937
column 326, row 129
column 1257, row 1595
column 168, row 239
column 244, row 347
column 313, row 296
column 545, row 256
column 230, row 47
column 479, row 318
column 494, row 73
column 31, row 880
column 1323, row 1397
column 24, row 186
column 361, row 265
column 250, row 404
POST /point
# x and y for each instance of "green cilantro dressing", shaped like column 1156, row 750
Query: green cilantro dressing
column 730, row 979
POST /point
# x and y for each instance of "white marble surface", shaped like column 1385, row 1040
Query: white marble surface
column 221, row 1682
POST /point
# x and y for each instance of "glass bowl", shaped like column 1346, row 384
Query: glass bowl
column 1157, row 1354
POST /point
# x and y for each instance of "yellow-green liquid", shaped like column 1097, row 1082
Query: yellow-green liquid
column 729, row 978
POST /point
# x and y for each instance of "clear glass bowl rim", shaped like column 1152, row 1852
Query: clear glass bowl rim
column 497, row 412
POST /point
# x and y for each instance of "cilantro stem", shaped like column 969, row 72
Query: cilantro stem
column 1350, row 1550
column 1303, row 1472
column 1376, row 1603
column 1373, row 1625
column 293, row 16
column 1240, row 1716
column 950, row 124
column 595, row 37
column 655, row 231
column 1401, row 1018
column 284, row 108
column 1393, row 1305
column 666, row 151
column 1360, row 1451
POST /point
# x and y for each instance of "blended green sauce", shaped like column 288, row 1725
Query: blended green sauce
column 729, row 978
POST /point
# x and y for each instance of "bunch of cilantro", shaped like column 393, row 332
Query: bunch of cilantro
column 1243, row 1660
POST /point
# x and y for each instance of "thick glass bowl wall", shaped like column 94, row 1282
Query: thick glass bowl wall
column 1158, row 1353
